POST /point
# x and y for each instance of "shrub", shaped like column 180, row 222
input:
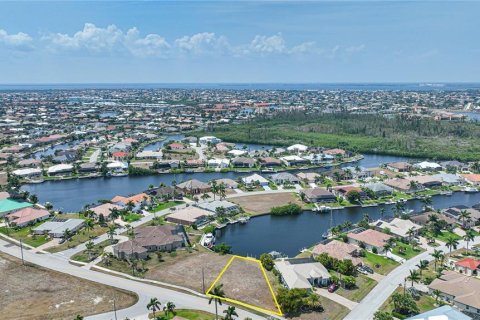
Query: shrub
column 374, row 250
column 267, row 261
column 289, row 209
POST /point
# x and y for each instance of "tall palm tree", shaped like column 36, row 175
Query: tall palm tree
column 422, row 265
column 464, row 215
column 222, row 191
column 437, row 294
column 414, row 276
column 214, row 188
column 67, row 234
column 451, row 243
column 469, row 236
column 89, row 225
column 169, row 308
column 387, row 247
column 410, row 233
column 154, row 305
column 217, row 294
column 437, row 255
column 111, row 232
column 89, row 246
column 230, row 313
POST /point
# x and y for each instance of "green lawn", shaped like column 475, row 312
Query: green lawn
column 385, row 265
column 187, row 314
column 166, row 205
column 424, row 303
column 364, row 286
column 444, row 235
column 83, row 256
column 408, row 252
column 24, row 234
column 132, row 217
column 80, row 237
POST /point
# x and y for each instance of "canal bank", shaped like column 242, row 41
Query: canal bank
column 289, row 234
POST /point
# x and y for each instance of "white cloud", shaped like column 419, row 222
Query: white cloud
column 266, row 45
column 202, row 43
column 110, row 39
column 19, row 40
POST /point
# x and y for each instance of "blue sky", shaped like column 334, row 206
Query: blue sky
column 247, row 41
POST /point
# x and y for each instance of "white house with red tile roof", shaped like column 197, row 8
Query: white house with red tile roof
column 26, row 216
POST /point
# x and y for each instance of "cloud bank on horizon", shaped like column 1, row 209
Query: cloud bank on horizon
column 254, row 41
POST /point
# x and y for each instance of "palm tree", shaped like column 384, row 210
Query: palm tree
column 451, row 243
column 437, row 294
column 217, row 293
column 154, row 305
column 67, row 234
column 387, row 247
column 422, row 265
column 214, row 188
column 222, row 191
column 111, row 232
column 230, row 313
column 89, row 246
column 413, row 185
column 469, row 236
column 107, row 258
column 399, row 207
column 426, row 201
column 437, row 255
column 410, row 233
column 414, row 276
column 89, row 225
column 169, row 308
column 205, row 196
column 464, row 215
column 78, row 317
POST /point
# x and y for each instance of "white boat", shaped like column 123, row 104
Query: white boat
column 470, row 190
column 243, row 220
column 269, row 170
column 209, row 240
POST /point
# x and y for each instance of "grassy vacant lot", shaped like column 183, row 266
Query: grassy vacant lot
column 32, row 292
column 408, row 251
column 364, row 286
column 244, row 281
column 79, row 238
column 165, row 205
column 188, row 314
column 333, row 311
column 385, row 265
column 24, row 234
column 262, row 203
column 97, row 250
column 425, row 303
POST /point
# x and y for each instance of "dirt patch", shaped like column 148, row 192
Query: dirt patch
column 244, row 281
column 186, row 269
column 262, row 203
column 32, row 292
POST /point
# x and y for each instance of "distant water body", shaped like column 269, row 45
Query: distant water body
column 253, row 86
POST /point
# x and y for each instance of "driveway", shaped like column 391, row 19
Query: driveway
column 336, row 297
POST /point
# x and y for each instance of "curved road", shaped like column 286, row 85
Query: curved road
column 143, row 290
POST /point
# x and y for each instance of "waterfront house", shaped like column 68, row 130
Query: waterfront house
column 254, row 179
column 455, row 212
column 228, row 183
column 468, row 266
column 230, row 208
column 209, row 140
column 194, row 187
column 308, row 177
column 28, row 172
column 105, row 210
column 284, row 178
column 165, row 193
column 56, row 228
column 194, row 163
column 117, row 167
column 151, row 239
column 243, row 162
column 148, row 154
column 302, row 273
column 293, row 160
column 427, row 166
column 379, row 189
column 236, row 153
column 397, row 227
column 472, row 178
column 449, row 179
column 455, row 165
column 344, row 190
column 459, row 290
column 424, row 218
column 338, row 250
column 270, row 162
column 26, row 216
column 356, row 173
column 399, row 166
column 218, row 163
column 88, row 167
column 10, row 205
column 426, row 181
column 298, row 148
column 30, row 163
column 337, row 153
column 445, row 312
column 189, row 216
column 403, row 185
column 315, row 195
column 370, row 238
column 137, row 200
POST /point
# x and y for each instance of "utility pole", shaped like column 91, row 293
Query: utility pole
column 114, row 306
column 203, row 281
column 21, row 251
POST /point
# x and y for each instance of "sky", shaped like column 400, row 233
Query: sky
column 239, row 41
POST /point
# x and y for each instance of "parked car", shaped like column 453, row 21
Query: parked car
column 362, row 270
column 332, row 287
column 368, row 269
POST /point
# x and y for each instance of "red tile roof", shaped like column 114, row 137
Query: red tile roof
column 469, row 263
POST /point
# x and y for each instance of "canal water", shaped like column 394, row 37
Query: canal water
column 292, row 233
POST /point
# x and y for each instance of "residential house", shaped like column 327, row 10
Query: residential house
column 28, row 172
column 165, row 193
column 379, row 189
column 228, row 183
column 309, row 177
column 370, row 238
column 10, row 205
column 340, row 153
column 459, row 290
column 403, row 185
column 472, row 178
column 449, row 179
column 356, row 172
column 230, row 207
column 254, row 179
column 338, row 250
column 445, row 312
column 26, row 216
column 194, row 187
column 455, row 213
column 456, row 165
column 60, row 169
column 398, row 227
column 426, row 181
column 293, row 160
column 302, row 273
column 344, row 190
column 56, row 228
column 270, row 162
column 151, row 239
column 315, row 195
column 424, row 218
column 88, row 167
column 190, row 215
column 468, row 266
column 137, row 200
column 427, row 166
column 105, row 210
column 298, row 148
column 209, row 140
column 243, row 162
column 399, row 166
column 218, row 163
column 284, row 178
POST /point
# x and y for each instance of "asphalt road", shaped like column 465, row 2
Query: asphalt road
column 143, row 290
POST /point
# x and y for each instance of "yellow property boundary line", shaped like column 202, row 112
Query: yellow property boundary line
column 279, row 313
